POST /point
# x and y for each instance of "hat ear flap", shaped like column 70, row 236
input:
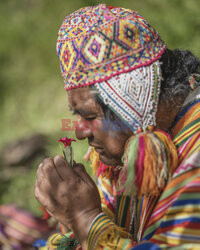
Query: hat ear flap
column 150, row 159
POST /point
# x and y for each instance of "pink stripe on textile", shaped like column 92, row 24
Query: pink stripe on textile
column 139, row 166
column 19, row 235
column 184, row 167
column 164, row 206
column 102, row 169
column 193, row 184
column 181, row 148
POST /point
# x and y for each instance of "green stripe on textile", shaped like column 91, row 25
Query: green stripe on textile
column 132, row 154
column 121, row 214
column 126, row 243
column 152, row 227
column 175, row 188
column 186, row 128
column 124, row 212
column 188, row 196
column 95, row 228
column 98, row 228
column 186, row 138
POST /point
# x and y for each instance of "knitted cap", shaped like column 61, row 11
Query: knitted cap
column 99, row 42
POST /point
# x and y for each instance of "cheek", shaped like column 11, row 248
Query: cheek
column 114, row 145
column 96, row 126
column 112, row 142
column 113, row 150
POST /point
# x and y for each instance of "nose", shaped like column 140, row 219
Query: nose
column 83, row 129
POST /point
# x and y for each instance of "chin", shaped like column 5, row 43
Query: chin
column 109, row 161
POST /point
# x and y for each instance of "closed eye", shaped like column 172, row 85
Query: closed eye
column 89, row 118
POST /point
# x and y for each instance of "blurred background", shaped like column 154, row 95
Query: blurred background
column 32, row 96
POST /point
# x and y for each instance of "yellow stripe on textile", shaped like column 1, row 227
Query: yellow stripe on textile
column 176, row 240
column 187, row 133
column 53, row 240
column 107, row 235
column 24, row 229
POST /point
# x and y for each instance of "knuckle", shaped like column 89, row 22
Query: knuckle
column 72, row 184
column 79, row 167
column 58, row 157
column 43, row 164
column 47, row 161
column 48, row 167
column 39, row 169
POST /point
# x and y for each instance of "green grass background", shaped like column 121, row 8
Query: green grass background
column 32, row 96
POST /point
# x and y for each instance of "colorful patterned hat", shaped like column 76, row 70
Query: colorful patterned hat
column 116, row 51
column 96, row 43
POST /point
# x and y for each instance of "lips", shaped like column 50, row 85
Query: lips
column 97, row 149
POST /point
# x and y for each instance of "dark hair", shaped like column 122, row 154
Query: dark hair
column 176, row 67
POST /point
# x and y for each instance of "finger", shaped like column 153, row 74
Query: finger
column 47, row 171
column 46, row 161
column 63, row 168
column 51, row 170
column 81, row 171
column 42, row 193
column 45, row 194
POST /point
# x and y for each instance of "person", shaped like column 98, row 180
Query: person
column 144, row 101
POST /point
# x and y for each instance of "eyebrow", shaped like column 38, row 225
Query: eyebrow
column 81, row 112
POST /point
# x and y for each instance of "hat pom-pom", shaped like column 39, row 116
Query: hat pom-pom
column 150, row 159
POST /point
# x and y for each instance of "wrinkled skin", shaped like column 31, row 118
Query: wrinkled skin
column 70, row 195
column 108, row 143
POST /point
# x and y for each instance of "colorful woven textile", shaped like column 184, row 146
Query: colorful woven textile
column 99, row 42
column 171, row 220
column 21, row 225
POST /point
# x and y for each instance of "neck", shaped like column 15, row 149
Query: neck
column 165, row 116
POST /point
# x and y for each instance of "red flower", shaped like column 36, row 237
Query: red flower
column 66, row 141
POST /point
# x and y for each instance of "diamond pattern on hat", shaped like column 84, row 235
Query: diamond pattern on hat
column 95, row 49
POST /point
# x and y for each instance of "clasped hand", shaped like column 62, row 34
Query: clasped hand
column 68, row 194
